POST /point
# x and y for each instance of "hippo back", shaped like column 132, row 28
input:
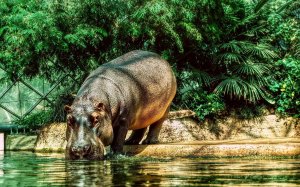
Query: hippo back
column 144, row 82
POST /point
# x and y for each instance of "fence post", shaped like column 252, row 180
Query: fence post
column 2, row 143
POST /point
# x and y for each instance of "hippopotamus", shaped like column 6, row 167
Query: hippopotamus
column 131, row 92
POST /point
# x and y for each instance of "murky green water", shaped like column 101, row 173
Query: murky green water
column 29, row 169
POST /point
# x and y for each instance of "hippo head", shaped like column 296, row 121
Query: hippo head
column 89, row 130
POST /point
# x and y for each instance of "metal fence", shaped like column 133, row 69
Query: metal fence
column 23, row 97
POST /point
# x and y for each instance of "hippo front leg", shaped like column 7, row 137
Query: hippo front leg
column 135, row 137
column 119, row 137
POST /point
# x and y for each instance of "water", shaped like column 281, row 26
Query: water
column 30, row 169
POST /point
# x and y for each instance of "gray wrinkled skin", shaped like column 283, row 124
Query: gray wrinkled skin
column 131, row 92
column 87, row 138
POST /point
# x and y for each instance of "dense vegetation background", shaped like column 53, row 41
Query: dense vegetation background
column 230, row 56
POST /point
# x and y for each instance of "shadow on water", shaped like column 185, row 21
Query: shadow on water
column 29, row 169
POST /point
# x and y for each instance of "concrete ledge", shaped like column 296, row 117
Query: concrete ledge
column 212, row 148
column 258, row 147
column 20, row 142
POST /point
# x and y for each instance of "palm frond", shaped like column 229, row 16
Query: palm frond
column 261, row 50
column 256, row 93
column 265, row 51
column 200, row 77
column 203, row 78
column 256, row 31
column 249, row 68
column 232, row 46
column 240, row 51
column 252, row 92
column 230, row 57
column 236, row 87
column 232, row 86
column 261, row 81
column 260, row 5
column 267, row 96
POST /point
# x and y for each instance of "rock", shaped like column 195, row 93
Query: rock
column 181, row 114
column 184, row 129
column 52, row 137
column 181, row 126
column 269, row 126
column 189, row 129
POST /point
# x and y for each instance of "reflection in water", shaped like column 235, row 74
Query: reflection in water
column 28, row 169
column 87, row 173
column 109, row 173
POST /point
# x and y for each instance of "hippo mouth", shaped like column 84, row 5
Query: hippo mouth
column 87, row 157
column 90, row 153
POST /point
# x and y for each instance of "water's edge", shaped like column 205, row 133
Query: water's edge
column 274, row 147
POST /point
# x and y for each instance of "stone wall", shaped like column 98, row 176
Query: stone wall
column 52, row 137
column 188, row 129
column 182, row 127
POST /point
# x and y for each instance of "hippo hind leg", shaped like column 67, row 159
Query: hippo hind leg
column 154, row 129
column 136, row 137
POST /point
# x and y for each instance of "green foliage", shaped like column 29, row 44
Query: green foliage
column 284, row 24
column 193, row 96
column 36, row 120
column 58, row 113
column 224, row 51
column 286, row 36
column 249, row 113
column 54, row 114
column 287, row 86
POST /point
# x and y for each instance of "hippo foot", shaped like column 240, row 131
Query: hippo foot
column 150, row 141
column 112, row 154
column 132, row 142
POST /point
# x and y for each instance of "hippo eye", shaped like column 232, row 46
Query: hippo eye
column 70, row 120
column 94, row 118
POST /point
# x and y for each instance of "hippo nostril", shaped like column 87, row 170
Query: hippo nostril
column 86, row 148
column 74, row 149
column 81, row 151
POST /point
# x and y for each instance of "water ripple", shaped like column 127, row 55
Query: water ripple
column 29, row 169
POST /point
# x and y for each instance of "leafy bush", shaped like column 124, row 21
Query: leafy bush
column 54, row 113
column 287, row 86
column 36, row 120
column 221, row 38
column 194, row 97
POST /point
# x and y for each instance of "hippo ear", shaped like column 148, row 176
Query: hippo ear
column 100, row 107
column 68, row 108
